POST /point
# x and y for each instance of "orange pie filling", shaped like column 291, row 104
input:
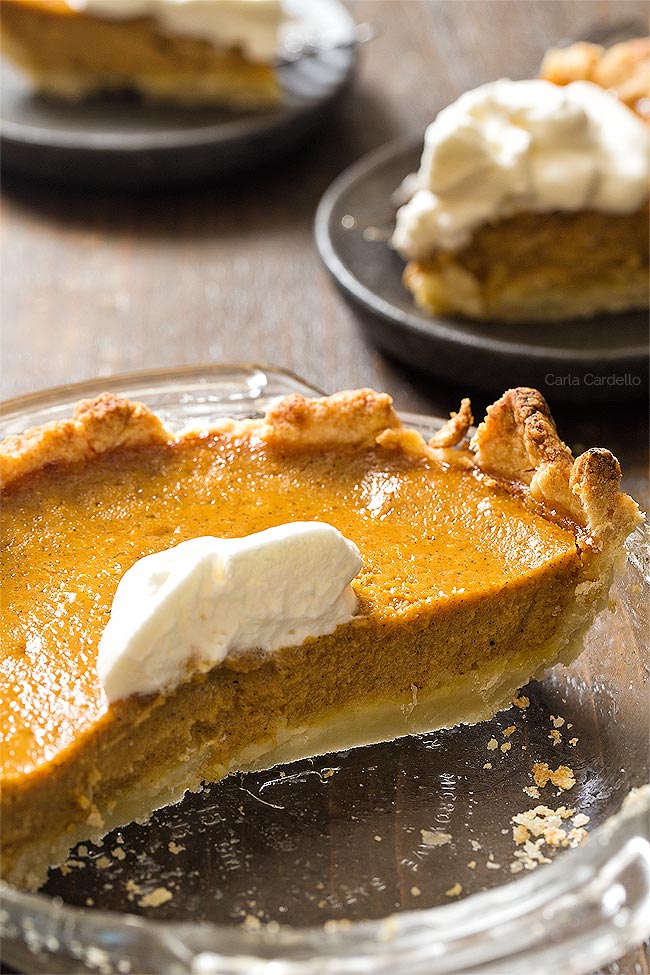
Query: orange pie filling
column 472, row 582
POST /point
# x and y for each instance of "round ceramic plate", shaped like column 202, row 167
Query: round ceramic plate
column 594, row 360
column 332, row 864
column 122, row 140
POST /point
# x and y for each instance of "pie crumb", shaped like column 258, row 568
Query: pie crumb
column 472, row 864
column 555, row 737
column 118, row 853
column 507, row 745
column 488, row 765
column 520, row 834
column 77, row 864
column 508, row 731
column 103, row 862
column 415, row 891
column 535, row 828
column 157, row 897
column 175, row 848
column 492, row 744
column 573, row 742
column 532, row 791
column 132, row 889
column 521, row 702
column 475, row 845
column 562, row 777
column 454, row 891
column 434, row 838
column 557, row 722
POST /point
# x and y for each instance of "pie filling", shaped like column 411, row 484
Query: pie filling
column 472, row 581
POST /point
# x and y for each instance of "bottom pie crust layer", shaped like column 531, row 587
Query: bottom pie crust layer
column 540, row 267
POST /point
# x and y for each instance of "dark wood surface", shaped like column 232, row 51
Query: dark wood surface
column 96, row 283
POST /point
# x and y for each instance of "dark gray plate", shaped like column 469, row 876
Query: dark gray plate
column 121, row 140
column 605, row 358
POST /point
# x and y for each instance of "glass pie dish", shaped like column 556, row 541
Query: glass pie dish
column 395, row 857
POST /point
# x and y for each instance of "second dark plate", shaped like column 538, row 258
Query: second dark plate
column 604, row 358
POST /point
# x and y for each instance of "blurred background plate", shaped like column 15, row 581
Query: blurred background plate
column 121, row 140
column 604, row 358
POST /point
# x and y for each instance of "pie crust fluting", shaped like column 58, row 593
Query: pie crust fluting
column 482, row 567
column 623, row 69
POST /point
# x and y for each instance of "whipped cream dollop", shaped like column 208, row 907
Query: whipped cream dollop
column 252, row 25
column 185, row 610
column 514, row 146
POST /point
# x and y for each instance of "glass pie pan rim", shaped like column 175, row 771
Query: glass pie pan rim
column 582, row 911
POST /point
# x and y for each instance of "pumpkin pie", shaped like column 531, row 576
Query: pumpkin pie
column 192, row 52
column 531, row 201
column 483, row 564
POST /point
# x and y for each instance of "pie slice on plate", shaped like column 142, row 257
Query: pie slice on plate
column 480, row 565
column 531, row 200
column 188, row 51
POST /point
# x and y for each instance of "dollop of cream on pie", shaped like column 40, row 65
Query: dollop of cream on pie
column 184, row 610
column 511, row 147
column 251, row 25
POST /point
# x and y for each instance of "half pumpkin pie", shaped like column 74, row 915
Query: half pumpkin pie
column 479, row 565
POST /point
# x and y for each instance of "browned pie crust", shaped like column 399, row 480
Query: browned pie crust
column 623, row 69
column 105, row 423
column 517, row 440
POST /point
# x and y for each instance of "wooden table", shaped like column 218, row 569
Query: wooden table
column 96, row 283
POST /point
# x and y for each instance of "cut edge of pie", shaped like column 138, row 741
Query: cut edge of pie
column 532, row 268
column 517, row 444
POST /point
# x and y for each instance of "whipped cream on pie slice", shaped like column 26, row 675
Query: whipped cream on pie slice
column 251, row 25
column 512, row 147
column 184, row 610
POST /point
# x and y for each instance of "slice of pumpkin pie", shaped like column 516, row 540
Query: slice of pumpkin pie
column 179, row 607
column 193, row 52
column 530, row 204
